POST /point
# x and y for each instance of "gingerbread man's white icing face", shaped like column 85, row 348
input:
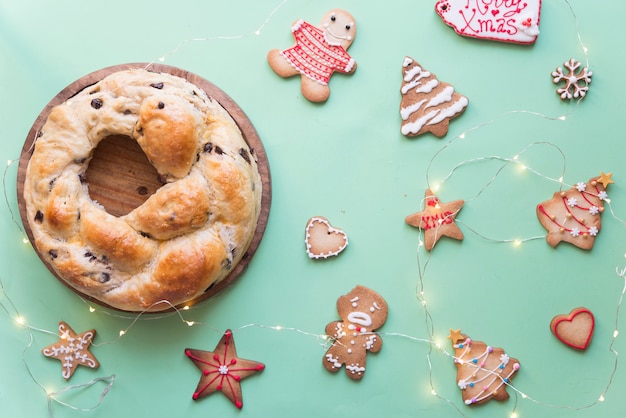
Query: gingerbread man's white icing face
column 339, row 27
column 362, row 313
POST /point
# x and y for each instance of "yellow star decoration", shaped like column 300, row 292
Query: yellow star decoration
column 605, row 179
column 436, row 220
column 455, row 335
column 72, row 350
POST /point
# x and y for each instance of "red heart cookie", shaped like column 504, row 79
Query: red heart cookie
column 322, row 239
column 574, row 329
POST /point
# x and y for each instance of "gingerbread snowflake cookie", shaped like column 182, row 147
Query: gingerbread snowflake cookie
column 573, row 215
column 427, row 104
column 317, row 53
column 323, row 240
column 483, row 371
column 576, row 80
column 72, row 350
column 362, row 311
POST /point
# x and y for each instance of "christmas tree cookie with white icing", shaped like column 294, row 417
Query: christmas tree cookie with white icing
column 427, row 104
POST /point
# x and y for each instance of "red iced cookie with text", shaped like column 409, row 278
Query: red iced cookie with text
column 515, row 21
column 437, row 219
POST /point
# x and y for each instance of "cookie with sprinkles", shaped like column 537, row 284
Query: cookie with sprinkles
column 483, row 371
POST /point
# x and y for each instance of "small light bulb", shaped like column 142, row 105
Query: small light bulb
column 517, row 242
column 122, row 332
column 92, row 309
column 615, row 333
column 601, row 398
column 278, row 328
column 20, row 320
column 190, row 323
column 433, row 392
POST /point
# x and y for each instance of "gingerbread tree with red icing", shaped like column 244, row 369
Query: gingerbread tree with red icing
column 483, row 372
column 574, row 215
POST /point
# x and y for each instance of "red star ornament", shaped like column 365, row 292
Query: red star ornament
column 436, row 220
column 222, row 370
column 72, row 350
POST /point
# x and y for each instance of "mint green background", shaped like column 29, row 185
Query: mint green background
column 345, row 160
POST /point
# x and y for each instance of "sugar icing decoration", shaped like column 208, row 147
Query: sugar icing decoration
column 515, row 21
column 576, row 80
column 222, row 370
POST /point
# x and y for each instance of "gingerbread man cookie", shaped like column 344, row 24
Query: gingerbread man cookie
column 362, row 311
column 317, row 54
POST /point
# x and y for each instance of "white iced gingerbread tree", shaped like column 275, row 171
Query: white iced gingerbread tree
column 427, row 104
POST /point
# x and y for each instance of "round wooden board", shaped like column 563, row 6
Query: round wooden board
column 121, row 178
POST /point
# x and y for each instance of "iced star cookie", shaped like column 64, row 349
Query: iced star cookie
column 427, row 104
column 222, row 370
column 319, row 51
column 362, row 311
column 322, row 240
column 506, row 21
column 72, row 350
column 436, row 220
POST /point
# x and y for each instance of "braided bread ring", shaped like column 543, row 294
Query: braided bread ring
column 187, row 236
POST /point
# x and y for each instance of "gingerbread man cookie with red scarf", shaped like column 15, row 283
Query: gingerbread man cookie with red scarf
column 317, row 53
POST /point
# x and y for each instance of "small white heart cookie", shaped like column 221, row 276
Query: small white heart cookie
column 322, row 239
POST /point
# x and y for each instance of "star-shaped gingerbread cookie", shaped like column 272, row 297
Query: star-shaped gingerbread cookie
column 437, row 219
column 72, row 350
column 222, row 370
